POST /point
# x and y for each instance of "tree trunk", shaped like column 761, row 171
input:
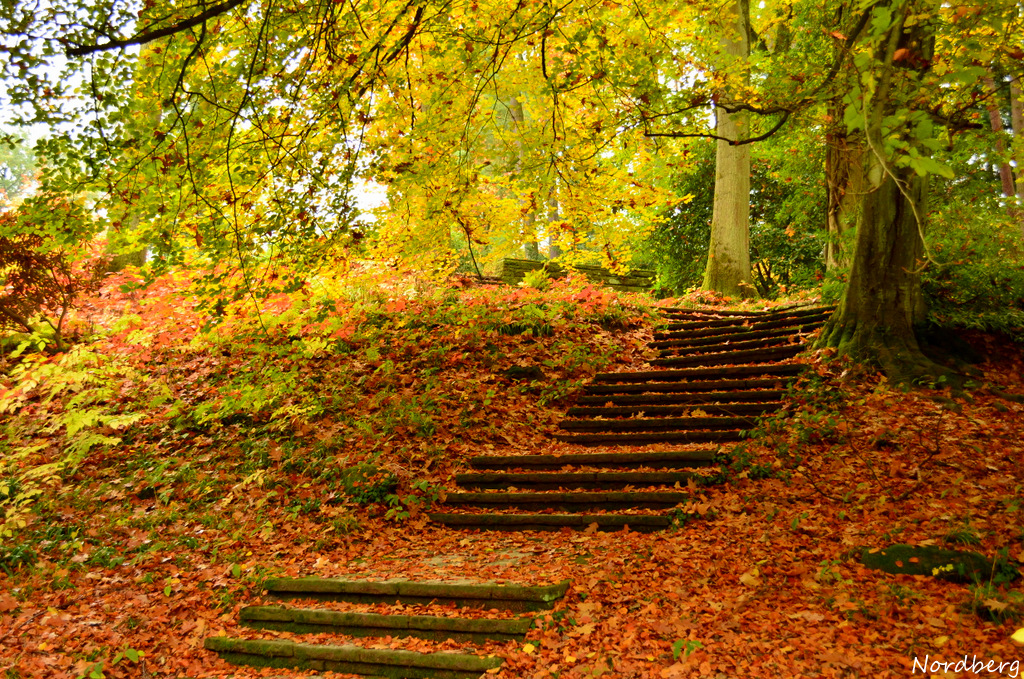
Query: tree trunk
column 728, row 269
column 882, row 303
column 531, row 248
column 1017, row 123
column 844, row 182
column 553, row 216
column 995, row 119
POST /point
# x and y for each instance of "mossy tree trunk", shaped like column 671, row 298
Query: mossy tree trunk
column 876, row 318
column 882, row 303
column 1017, row 125
column 844, row 174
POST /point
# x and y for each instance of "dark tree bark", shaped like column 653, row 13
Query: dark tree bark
column 876, row 318
column 882, row 304
column 844, row 175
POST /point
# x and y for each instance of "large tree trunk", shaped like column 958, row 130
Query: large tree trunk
column 844, row 181
column 1017, row 123
column 728, row 269
column 882, row 303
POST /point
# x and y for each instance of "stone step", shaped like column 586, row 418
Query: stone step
column 572, row 502
column 700, row 330
column 670, row 410
column 751, row 320
column 659, row 423
column 720, row 347
column 699, row 391
column 558, row 480
column 732, row 357
column 747, row 316
column 691, row 374
column 677, row 312
column 641, row 523
column 647, row 438
column 712, row 340
column 351, row 659
column 321, row 621
column 515, row 598
column 691, row 398
column 666, row 459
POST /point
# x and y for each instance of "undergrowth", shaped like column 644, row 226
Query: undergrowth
column 361, row 379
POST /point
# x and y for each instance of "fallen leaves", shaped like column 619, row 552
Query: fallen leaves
column 156, row 547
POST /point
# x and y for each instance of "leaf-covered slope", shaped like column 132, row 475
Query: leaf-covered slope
column 312, row 449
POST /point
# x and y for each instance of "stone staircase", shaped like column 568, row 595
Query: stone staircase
column 716, row 372
column 315, row 615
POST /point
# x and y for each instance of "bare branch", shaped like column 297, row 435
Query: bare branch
column 150, row 36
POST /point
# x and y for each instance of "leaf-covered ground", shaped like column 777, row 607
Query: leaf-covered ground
column 153, row 477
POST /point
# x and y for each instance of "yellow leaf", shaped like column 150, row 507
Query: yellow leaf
column 1018, row 636
column 940, row 641
column 750, row 579
column 529, row 648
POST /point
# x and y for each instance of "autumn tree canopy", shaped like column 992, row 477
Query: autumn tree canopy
column 242, row 131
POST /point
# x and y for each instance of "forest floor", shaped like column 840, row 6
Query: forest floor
column 154, row 477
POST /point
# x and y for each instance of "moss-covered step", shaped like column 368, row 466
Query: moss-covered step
column 659, row 423
column 691, row 330
column 704, row 391
column 691, row 374
column 351, row 659
column 318, row 621
column 747, row 409
column 517, row 598
column 948, row 564
column 745, row 336
column 645, row 438
column 572, row 502
column 674, row 459
column 732, row 344
column 748, row 320
column 655, row 424
column 556, row 480
column 732, row 357
column 640, row 523
column 690, row 314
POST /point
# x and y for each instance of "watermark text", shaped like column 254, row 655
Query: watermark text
column 1009, row 668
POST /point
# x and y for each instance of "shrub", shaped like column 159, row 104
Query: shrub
column 41, row 278
column 978, row 279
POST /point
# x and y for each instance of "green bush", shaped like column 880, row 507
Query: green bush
column 977, row 281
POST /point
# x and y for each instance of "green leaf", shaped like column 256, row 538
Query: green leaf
column 852, row 118
column 923, row 165
column 236, row 570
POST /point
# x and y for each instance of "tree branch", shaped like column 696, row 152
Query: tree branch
column 786, row 112
column 150, row 36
